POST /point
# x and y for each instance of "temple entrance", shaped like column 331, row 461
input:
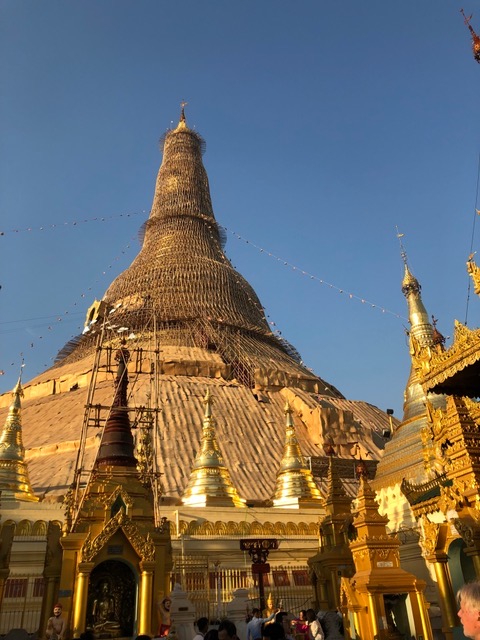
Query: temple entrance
column 111, row 600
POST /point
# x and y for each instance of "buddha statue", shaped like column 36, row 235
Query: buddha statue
column 103, row 612
column 270, row 607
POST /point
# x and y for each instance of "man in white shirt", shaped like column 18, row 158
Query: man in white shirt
column 315, row 631
column 254, row 627
column 202, row 626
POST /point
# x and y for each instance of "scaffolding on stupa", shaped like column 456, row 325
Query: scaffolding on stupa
column 182, row 273
column 143, row 415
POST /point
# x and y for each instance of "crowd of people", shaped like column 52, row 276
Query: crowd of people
column 281, row 625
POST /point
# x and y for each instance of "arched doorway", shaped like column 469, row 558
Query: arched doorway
column 460, row 565
column 111, row 600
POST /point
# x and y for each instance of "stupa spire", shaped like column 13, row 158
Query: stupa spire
column 421, row 334
column 117, row 446
column 182, row 279
column 295, row 486
column 210, row 483
column 14, row 478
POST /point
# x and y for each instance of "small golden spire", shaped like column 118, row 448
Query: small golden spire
column 295, row 486
column 422, row 335
column 335, row 490
column 14, row 479
column 420, row 326
column 210, row 483
column 368, row 521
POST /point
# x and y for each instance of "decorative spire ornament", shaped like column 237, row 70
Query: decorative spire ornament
column 210, row 483
column 117, row 446
column 295, row 486
column 14, row 479
column 475, row 37
column 422, row 334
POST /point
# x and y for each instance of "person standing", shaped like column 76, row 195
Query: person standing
column 56, row 625
column 202, row 626
column 469, row 613
column 314, row 627
column 227, row 630
column 254, row 627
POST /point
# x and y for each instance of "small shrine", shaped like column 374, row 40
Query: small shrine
column 116, row 553
column 381, row 600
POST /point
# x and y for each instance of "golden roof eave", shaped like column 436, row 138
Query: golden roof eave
column 436, row 368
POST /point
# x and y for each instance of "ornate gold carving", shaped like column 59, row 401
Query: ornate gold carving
column 39, row 528
column 429, row 536
column 219, row 528
column 143, row 545
column 451, row 499
column 435, row 367
column 421, row 356
column 108, row 500
column 474, row 272
column 24, row 528
column 467, row 531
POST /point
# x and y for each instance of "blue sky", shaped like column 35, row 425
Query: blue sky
column 327, row 125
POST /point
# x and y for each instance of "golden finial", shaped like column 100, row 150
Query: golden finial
column 208, row 401
column 409, row 282
column 210, row 483
column 474, row 272
column 182, row 124
column 295, row 486
column 14, row 479
column 475, row 37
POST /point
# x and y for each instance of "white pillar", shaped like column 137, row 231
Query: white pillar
column 182, row 613
column 237, row 611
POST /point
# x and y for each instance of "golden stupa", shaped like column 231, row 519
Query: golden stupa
column 191, row 323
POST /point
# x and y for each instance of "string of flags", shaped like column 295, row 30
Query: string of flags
column 68, row 314
column 350, row 295
column 79, row 304
column 74, row 223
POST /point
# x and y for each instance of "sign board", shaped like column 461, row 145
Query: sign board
column 261, row 568
column 259, row 544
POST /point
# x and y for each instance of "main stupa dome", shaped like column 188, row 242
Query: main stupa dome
column 191, row 324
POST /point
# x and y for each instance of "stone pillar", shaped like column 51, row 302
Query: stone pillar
column 237, row 611
column 80, row 599
column 145, row 599
column 182, row 614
